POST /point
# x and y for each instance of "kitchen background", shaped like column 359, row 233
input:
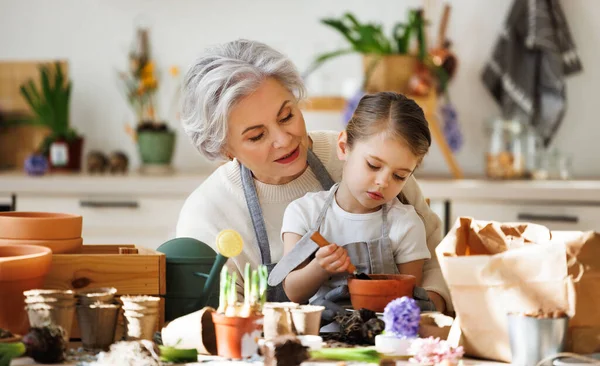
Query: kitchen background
column 95, row 37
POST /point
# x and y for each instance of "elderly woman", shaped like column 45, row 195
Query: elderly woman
column 241, row 103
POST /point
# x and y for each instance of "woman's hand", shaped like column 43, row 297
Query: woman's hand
column 333, row 258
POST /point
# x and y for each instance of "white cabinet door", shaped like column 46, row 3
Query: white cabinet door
column 553, row 215
column 145, row 221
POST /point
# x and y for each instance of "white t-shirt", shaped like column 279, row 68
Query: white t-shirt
column 406, row 230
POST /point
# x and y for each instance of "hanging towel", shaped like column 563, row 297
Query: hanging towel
column 531, row 58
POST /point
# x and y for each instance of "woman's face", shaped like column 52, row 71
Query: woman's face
column 267, row 134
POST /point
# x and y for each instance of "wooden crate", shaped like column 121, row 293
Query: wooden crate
column 141, row 273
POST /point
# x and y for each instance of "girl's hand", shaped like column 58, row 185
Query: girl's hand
column 333, row 258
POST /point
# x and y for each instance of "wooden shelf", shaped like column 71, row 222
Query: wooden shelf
column 324, row 104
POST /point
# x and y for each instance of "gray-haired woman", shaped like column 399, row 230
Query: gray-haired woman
column 240, row 102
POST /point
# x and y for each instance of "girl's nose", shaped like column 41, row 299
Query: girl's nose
column 382, row 180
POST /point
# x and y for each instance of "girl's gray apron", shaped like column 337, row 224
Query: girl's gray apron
column 275, row 293
column 375, row 256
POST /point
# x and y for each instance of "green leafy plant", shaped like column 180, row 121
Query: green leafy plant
column 370, row 39
column 50, row 104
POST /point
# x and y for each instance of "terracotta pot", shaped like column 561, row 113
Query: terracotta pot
column 195, row 330
column 22, row 268
column 237, row 337
column 39, row 225
column 376, row 293
column 58, row 246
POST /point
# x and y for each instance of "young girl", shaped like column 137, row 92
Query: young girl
column 361, row 216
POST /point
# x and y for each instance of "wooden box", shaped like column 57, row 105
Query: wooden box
column 118, row 266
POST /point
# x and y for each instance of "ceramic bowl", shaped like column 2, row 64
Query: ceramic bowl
column 22, row 268
column 40, row 225
column 376, row 293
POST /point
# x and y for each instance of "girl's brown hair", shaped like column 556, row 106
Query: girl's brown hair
column 392, row 113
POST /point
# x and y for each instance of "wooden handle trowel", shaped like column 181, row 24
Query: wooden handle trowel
column 322, row 242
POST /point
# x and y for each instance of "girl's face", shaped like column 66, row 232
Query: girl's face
column 267, row 134
column 375, row 171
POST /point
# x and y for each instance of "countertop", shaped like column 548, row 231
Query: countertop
column 181, row 184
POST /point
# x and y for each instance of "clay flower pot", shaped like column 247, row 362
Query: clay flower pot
column 22, row 268
column 58, row 246
column 40, row 225
column 376, row 293
column 237, row 337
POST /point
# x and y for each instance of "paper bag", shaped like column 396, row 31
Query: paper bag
column 493, row 269
column 583, row 259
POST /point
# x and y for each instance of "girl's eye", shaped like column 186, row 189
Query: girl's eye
column 397, row 177
column 372, row 167
column 287, row 118
column 257, row 137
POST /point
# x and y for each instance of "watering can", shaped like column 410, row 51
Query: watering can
column 192, row 264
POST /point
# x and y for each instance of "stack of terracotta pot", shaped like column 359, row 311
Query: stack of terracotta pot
column 57, row 231
column 27, row 241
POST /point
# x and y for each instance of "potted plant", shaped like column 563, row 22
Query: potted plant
column 154, row 137
column 239, row 325
column 49, row 101
column 388, row 62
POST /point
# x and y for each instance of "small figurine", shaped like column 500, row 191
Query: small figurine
column 96, row 162
column 118, row 162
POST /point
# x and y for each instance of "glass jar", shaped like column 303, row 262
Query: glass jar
column 505, row 158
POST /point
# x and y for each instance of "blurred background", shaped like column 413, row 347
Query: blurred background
column 95, row 38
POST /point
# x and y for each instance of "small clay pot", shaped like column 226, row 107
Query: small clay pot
column 40, row 225
column 58, row 246
column 195, row 330
column 96, row 295
column 307, row 319
column 22, row 268
column 376, row 293
column 237, row 337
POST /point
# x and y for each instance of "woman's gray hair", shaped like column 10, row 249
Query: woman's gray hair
column 222, row 76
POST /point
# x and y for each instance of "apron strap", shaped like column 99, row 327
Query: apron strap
column 253, row 202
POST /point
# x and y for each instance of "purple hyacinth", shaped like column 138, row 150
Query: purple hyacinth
column 451, row 126
column 351, row 105
column 401, row 318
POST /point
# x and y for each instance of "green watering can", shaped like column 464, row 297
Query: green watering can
column 191, row 265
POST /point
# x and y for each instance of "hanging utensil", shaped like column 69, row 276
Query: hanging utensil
column 322, row 242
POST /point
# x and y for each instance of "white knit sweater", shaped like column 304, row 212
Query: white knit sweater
column 219, row 203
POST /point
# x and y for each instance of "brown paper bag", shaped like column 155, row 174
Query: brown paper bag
column 583, row 259
column 493, row 269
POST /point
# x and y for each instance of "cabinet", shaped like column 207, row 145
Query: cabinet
column 114, row 219
column 554, row 215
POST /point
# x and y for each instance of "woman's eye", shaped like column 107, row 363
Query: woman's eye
column 257, row 137
column 397, row 177
column 372, row 167
column 287, row 118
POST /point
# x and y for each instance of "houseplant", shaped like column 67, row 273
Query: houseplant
column 154, row 137
column 238, row 325
column 49, row 101
column 389, row 63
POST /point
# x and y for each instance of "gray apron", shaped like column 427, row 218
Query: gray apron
column 375, row 256
column 275, row 293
